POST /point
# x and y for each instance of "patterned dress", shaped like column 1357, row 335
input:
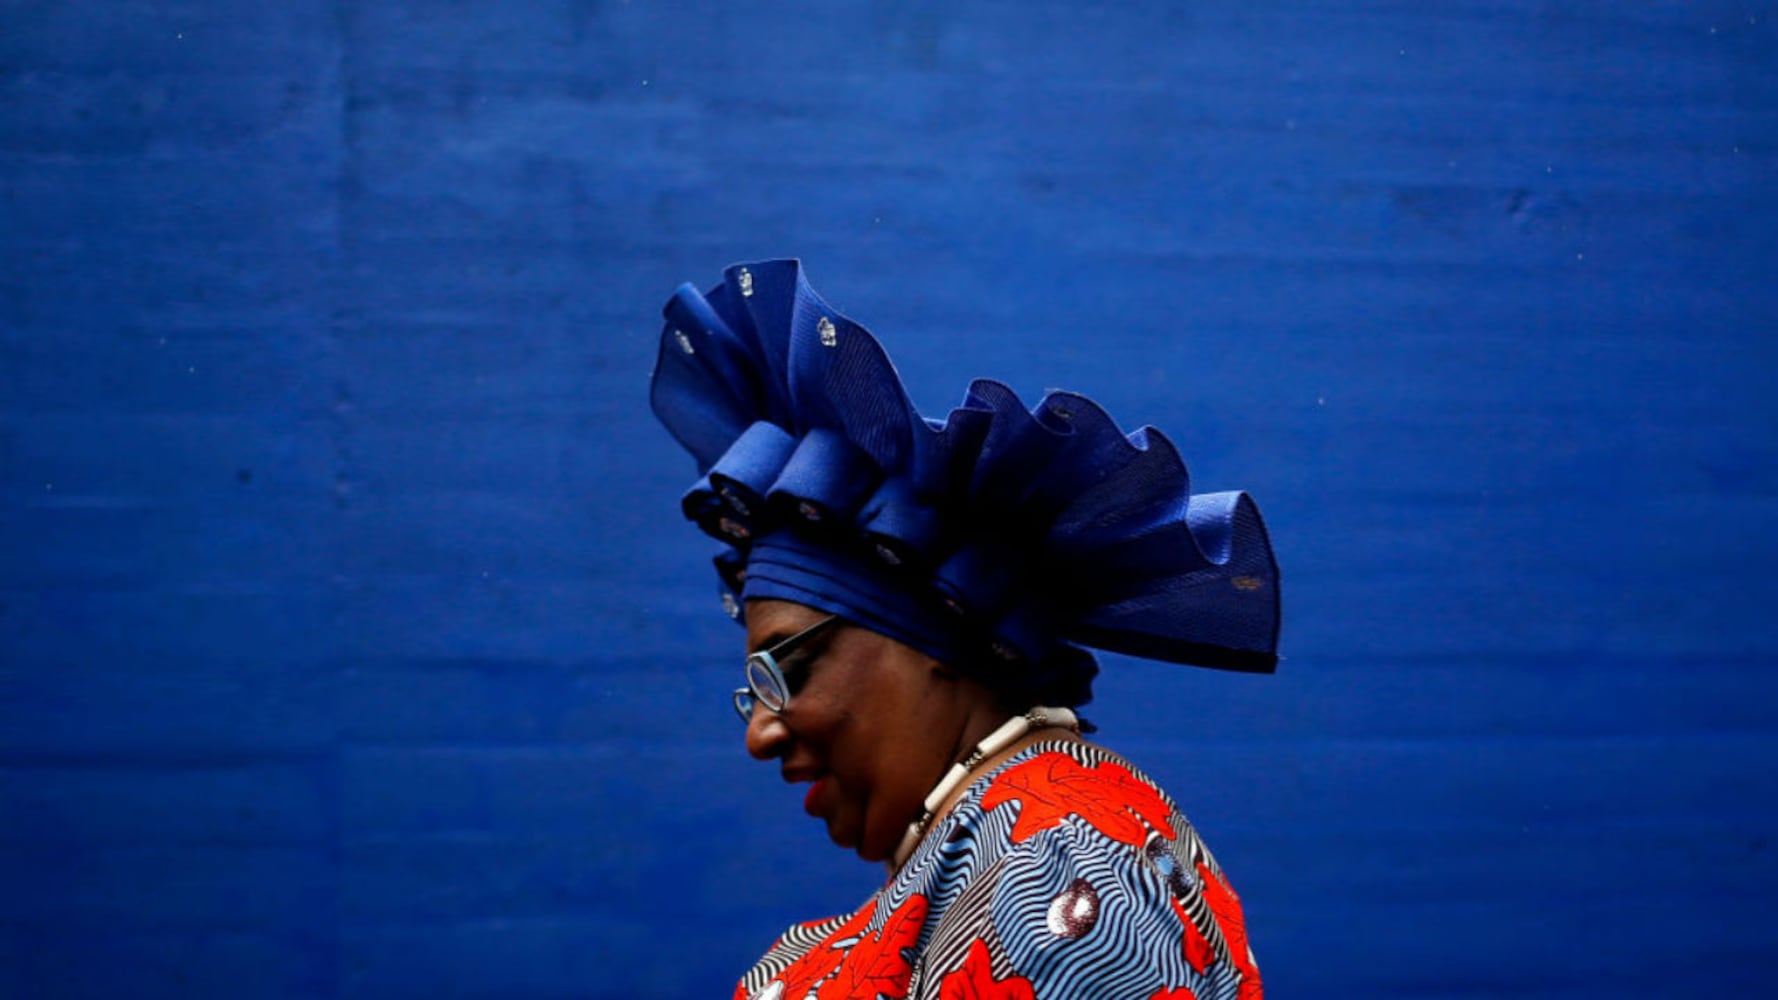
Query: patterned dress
column 1064, row 873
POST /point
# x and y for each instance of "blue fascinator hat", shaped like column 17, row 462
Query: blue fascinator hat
column 1002, row 540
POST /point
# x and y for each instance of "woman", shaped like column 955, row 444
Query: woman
column 917, row 596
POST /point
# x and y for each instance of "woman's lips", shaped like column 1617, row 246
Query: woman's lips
column 809, row 799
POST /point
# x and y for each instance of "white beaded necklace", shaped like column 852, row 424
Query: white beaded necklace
column 996, row 741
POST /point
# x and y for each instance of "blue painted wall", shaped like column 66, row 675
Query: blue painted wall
column 350, row 645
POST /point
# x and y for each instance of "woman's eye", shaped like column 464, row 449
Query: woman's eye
column 795, row 671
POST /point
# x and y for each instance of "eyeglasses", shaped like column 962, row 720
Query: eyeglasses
column 765, row 681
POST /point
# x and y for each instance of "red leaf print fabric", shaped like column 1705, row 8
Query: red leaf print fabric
column 1227, row 908
column 974, row 980
column 879, row 965
column 1198, row 953
column 820, row 961
column 1054, row 786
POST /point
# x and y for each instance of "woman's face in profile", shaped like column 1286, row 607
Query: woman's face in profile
column 859, row 727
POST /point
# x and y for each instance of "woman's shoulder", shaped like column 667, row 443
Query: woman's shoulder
column 1067, row 837
column 1065, row 871
column 1058, row 795
column 1059, row 781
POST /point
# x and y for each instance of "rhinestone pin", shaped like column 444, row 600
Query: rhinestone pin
column 1180, row 880
column 684, row 341
column 746, row 279
column 829, row 338
column 1074, row 911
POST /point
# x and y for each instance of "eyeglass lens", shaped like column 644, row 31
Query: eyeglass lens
column 766, row 683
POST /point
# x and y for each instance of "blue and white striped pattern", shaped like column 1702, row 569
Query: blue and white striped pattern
column 1136, row 942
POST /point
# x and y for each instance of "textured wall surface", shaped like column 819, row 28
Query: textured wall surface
column 351, row 646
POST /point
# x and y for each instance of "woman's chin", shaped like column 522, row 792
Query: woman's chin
column 844, row 835
column 873, row 848
column 848, row 826
column 871, row 852
column 849, row 836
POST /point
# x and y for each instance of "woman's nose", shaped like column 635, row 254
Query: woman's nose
column 767, row 735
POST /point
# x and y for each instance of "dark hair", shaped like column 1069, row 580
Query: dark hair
column 1063, row 679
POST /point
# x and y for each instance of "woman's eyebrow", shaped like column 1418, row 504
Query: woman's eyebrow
column 772, row 638
column 814, row 648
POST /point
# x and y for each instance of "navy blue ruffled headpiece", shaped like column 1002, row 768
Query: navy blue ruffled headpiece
column 1000, row 540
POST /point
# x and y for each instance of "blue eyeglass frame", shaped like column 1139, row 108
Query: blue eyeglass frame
column 764, row 665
